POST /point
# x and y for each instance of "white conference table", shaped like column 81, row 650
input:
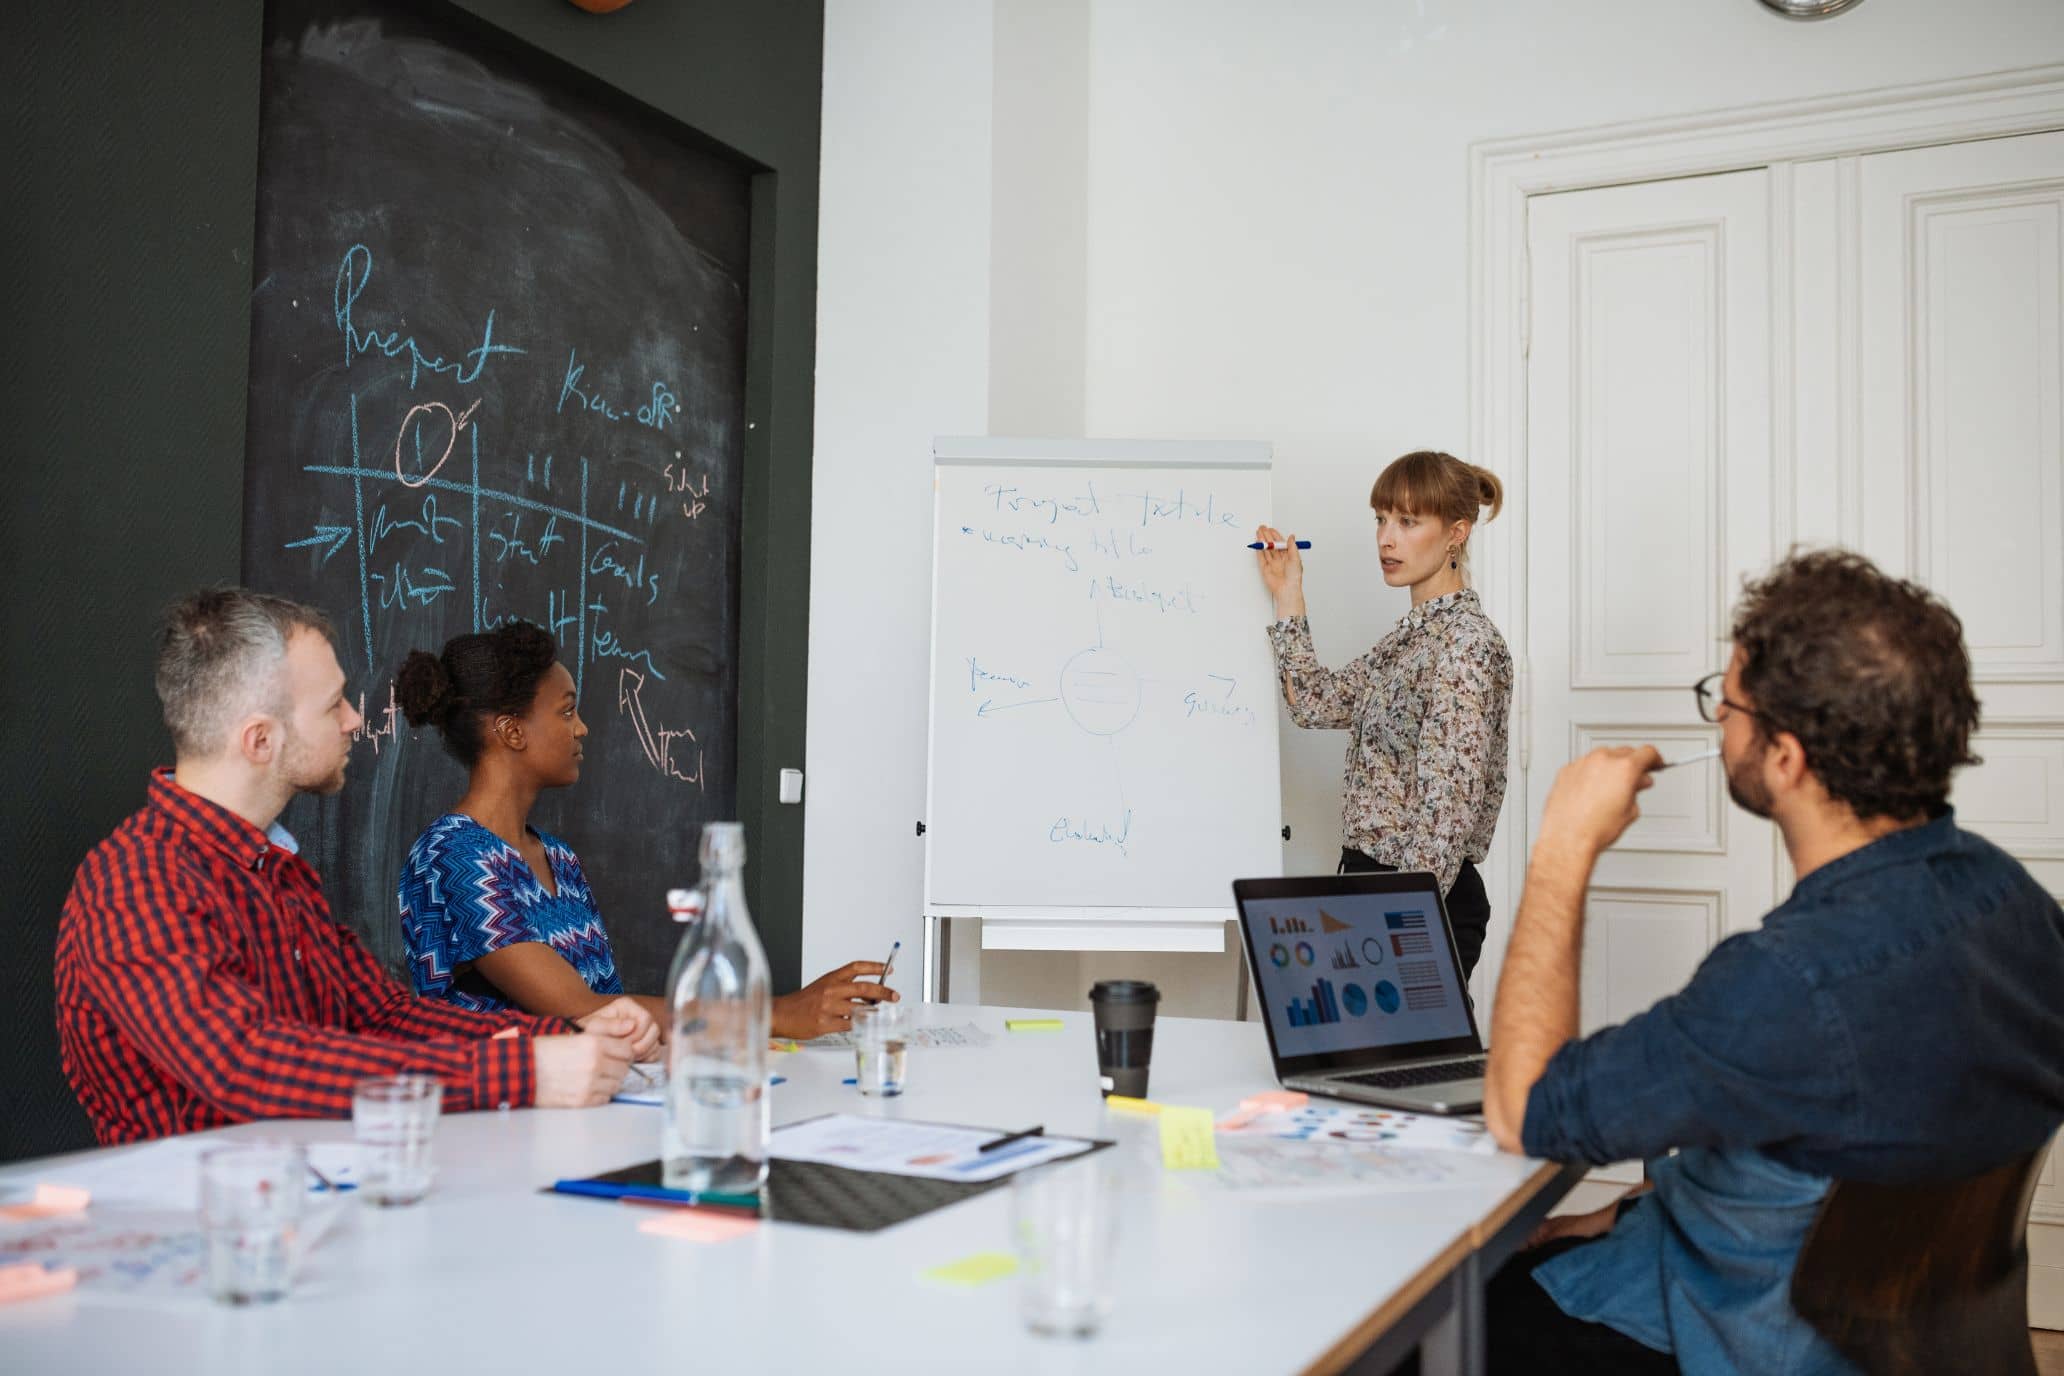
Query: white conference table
column 489, row 1274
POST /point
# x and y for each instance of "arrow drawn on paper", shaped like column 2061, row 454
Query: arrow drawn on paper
column 989, row 705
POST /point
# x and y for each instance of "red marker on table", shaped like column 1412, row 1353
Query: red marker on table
column 1278, row 544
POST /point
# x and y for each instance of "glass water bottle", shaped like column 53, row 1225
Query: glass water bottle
column 716, row 1120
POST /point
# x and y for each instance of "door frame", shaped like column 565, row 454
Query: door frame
column 1504, row 173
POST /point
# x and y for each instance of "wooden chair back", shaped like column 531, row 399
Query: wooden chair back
column 1909, row 1280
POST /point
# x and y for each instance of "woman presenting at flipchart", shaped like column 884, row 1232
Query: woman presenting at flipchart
column 1427, row 705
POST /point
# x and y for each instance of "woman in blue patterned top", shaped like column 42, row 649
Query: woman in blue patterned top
column 498, row 914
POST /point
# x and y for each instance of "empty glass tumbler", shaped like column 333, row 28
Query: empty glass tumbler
column 1064, row 1221
column 251, row 1198
column 394, row 1118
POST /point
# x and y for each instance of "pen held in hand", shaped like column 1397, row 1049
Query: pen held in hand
column 888, row 964
column 1279, row 544
column 1712, row 754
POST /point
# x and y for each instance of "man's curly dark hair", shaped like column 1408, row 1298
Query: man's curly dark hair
column 1868, row 671
column 474, row 679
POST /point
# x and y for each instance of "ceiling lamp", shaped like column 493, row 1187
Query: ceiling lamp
column 1810, row 9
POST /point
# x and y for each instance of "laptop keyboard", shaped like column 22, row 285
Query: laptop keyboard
column 1470, row 1069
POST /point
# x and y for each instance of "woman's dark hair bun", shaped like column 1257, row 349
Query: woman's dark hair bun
column 525, row 646
column 423, row 690
column 473, row 679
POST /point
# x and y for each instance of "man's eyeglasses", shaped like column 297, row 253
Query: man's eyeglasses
column 1711, row 699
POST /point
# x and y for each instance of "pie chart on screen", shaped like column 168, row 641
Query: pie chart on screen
column 1387, row 996
column 1354, row 1000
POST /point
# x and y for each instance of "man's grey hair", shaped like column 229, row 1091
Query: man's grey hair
column 220, row 651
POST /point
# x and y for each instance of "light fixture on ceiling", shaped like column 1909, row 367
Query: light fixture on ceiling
column 1810, row 9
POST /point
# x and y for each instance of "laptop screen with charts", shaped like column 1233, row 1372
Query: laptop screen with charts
column 1355, row 970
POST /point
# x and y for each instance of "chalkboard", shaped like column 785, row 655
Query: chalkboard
column 498, row 370
column 1103, row 702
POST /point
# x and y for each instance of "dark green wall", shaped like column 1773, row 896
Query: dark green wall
column 129, row 169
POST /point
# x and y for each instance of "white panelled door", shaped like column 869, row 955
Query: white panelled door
column 1648, row 494
column 1962, row 475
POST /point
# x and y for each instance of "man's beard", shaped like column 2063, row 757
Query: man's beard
column 306, row 777
column 1745, row 785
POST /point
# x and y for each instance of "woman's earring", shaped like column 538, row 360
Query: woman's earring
column 1453, row 556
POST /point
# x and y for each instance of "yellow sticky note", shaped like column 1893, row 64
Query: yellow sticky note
column 1129, row 1105
column 1187, row 1143
column 979, row 1269
column 49, row 1201
column 783, row 1045
column 698, row 1225
column 1033, row 1024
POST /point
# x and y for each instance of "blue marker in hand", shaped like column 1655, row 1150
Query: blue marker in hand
column 1279, row 544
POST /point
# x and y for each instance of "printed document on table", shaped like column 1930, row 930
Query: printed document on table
column 1276, row 1166
column 931, row 1151
column 1367, row 1127
column 645, row 1083
column 166, row 1174
column 964, row 1034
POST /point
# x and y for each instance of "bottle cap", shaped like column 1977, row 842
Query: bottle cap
column 684, row 904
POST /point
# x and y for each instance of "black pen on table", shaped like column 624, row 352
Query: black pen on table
column 1005, row 1141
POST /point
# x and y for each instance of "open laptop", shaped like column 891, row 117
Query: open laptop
column 1361, row 989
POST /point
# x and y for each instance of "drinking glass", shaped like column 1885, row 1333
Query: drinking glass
column 395, row 1120
column 881, row 1047
column 1064, row 1221
column 251, row 1195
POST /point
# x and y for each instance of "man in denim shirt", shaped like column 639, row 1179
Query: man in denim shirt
column 1899, row 1018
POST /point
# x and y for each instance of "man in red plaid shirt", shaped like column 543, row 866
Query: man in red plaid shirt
column 200, row 978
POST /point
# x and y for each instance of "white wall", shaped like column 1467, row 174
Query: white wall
column 1274, row 245
column 903, row 263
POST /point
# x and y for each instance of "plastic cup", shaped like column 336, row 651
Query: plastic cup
column 394, row 1118
column 251, row 1197
column 1124, row 1011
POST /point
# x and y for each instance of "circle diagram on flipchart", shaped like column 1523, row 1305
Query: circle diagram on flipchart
column 1101, row 691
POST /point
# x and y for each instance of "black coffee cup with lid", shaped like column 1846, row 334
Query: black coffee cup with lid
column 1124, row 1010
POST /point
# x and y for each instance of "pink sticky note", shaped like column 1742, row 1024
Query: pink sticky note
column 698, row 1225
column 49, row 1201
column 1275, row 1101
column 29, row 1280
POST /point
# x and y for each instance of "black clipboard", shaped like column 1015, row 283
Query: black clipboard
column 822, row 1196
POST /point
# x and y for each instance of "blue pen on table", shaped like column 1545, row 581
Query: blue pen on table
column 656, row 1194
column 323, row 1182
column 1279, row 544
